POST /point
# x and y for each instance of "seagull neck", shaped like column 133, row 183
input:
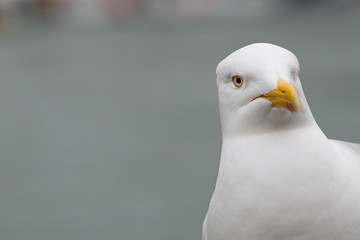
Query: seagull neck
column 234, row 132
column 297, row 136
column 238, row 125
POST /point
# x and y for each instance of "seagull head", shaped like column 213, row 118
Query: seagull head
column 260, row 90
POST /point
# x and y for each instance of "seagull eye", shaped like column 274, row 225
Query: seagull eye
column 238, row 81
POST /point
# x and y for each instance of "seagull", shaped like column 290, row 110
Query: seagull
column 280, row 177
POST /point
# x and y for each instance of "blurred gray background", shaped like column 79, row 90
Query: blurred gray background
column 109, row 115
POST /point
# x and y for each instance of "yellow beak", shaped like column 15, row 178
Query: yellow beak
column 284, row 96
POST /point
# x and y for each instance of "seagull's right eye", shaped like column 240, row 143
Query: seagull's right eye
column 237, row 80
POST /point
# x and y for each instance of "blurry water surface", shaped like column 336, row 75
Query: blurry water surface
column 112, row 132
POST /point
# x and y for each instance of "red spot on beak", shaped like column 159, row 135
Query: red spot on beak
column 290, row 107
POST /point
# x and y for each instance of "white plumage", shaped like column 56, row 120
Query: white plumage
column 280, row 177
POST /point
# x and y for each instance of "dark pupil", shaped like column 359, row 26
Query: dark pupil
column 238, row 80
